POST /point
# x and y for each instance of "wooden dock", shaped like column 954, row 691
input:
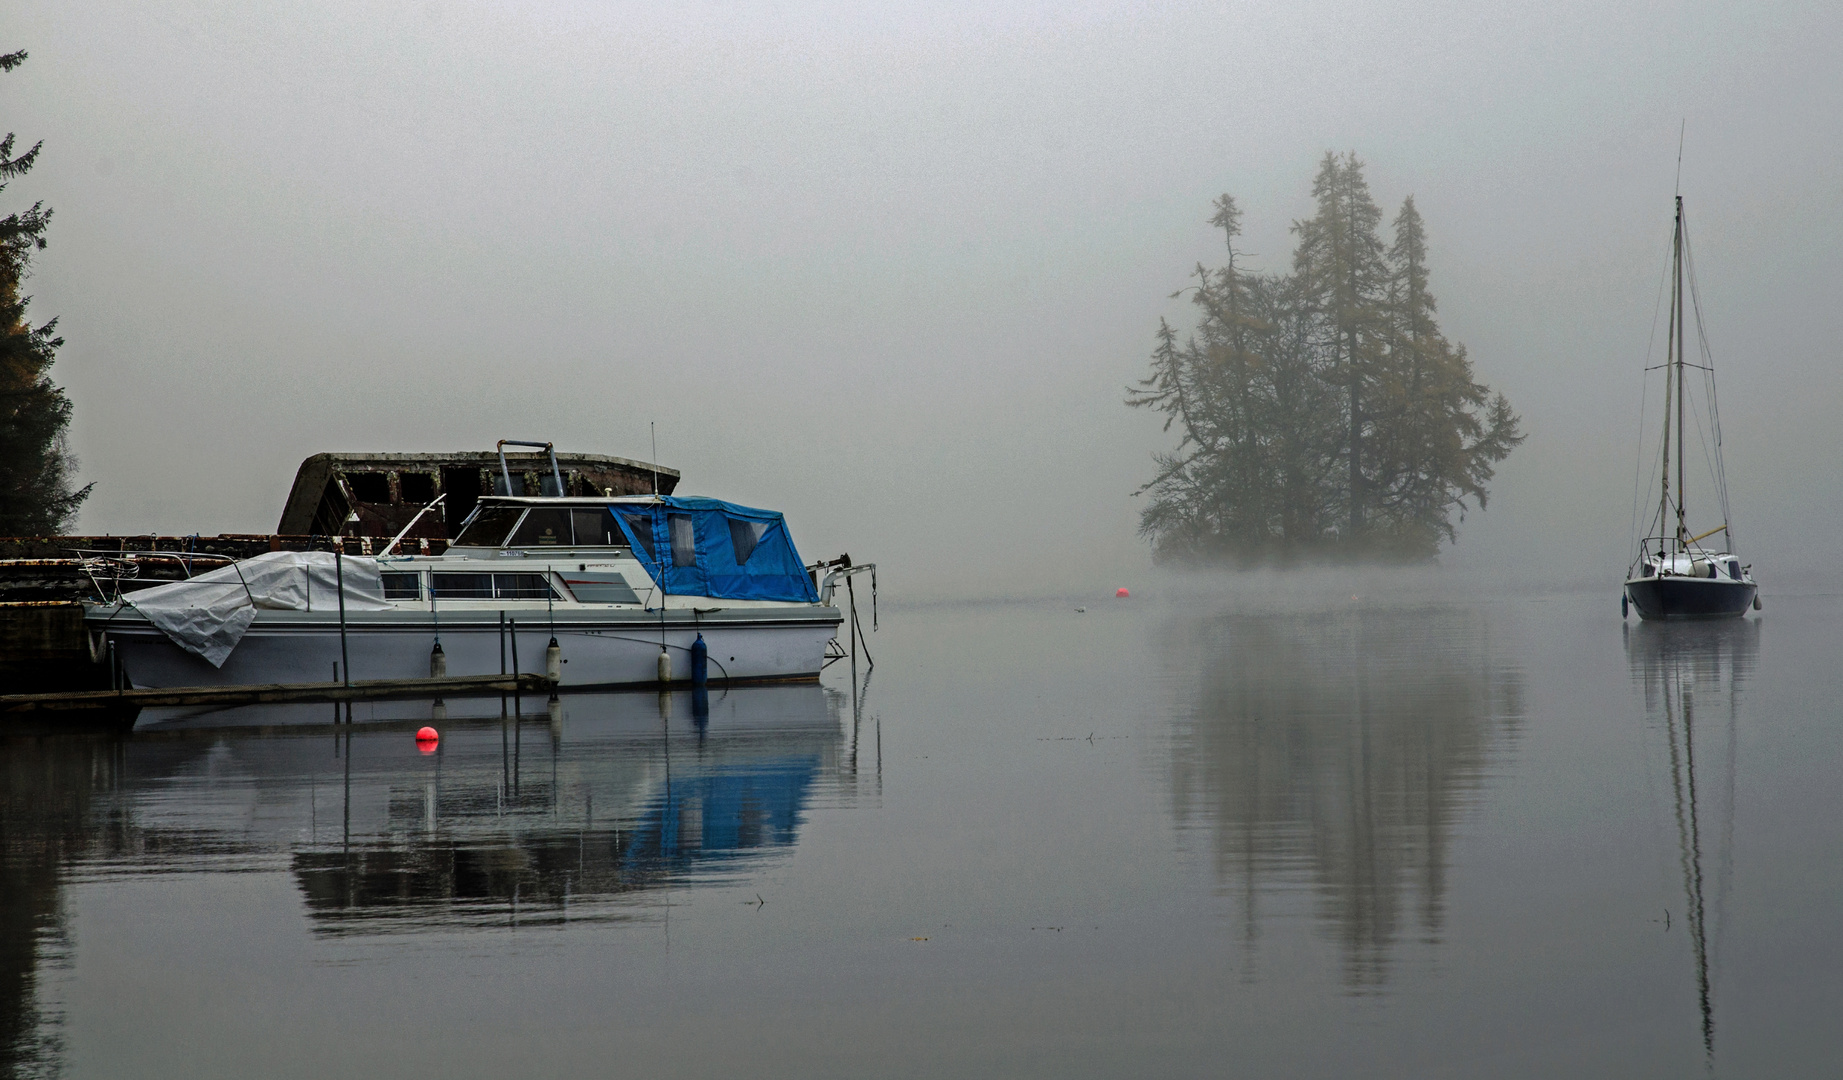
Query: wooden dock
column 274, row 693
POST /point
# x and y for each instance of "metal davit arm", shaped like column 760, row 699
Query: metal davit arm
column 844, row 570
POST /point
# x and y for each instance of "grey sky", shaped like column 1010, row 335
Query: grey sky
column 888, row 267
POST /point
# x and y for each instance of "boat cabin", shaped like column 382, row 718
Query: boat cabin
column 1694, row 563
column 379, row 494
column 687, row 546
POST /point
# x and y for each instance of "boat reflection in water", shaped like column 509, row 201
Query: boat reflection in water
column 1693, row 676
column 557, row 820
column 1335, row 752
column 578, row 812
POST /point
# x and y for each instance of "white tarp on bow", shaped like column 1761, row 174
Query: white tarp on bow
column 209, row 614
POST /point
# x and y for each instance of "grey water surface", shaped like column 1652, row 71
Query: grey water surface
column 1262, row 831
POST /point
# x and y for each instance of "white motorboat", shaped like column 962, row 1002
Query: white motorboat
column 594, row 591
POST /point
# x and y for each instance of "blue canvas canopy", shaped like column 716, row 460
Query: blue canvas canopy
column 707, row 547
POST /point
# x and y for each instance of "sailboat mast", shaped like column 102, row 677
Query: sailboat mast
column 1682, row 530
column 1670, row 350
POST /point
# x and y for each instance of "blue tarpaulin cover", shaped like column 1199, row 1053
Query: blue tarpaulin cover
column 707, row 547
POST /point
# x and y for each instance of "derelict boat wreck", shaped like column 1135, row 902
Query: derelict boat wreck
column 601, row 591
column 1673, row 576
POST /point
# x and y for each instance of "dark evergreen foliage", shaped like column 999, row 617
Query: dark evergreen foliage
column 1320, row 413
column 36, row 470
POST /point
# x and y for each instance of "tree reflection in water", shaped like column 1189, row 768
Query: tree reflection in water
column 1692, row 676
column 1336, row 750
column 45, row 826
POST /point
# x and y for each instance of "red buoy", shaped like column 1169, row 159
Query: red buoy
column 1121, row 592
column 426, row 740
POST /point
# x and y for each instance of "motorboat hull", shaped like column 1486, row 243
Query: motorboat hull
column 1676, row 597
column 606, row 647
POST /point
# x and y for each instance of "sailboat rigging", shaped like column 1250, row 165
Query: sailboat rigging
column 1673, row 576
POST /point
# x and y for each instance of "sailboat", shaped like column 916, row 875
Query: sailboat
column 1674, row 576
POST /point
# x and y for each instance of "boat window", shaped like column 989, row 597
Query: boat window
column 597, row 587
column 369, row 487
column 462, row 486
column 744, row 535
column 684, row 544
column 489, row 527
column 461, row 586
column 1734, row 569
column 402, row 586
column 641, row 525
column 522, row 587
column 545, row 527
column 596, row 528
column 417, row 487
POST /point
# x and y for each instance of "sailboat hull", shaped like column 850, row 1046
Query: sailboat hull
column 1673, row 597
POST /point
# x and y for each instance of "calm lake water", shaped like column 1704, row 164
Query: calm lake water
column 1282, row 829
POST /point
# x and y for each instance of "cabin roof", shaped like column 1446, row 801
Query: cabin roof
column 386, row 490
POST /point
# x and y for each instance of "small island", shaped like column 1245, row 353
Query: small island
column 1322, row 414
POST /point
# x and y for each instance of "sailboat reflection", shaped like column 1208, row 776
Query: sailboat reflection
column 1687, row 670
column 1336, row 751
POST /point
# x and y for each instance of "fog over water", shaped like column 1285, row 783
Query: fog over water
column 1447, row 832
column 888, row 267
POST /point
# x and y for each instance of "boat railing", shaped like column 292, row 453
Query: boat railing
column 1651, row 546
column 1653, row 559
column 554, row 488
column 107, row 570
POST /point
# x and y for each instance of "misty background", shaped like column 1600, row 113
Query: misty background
column 889, row 267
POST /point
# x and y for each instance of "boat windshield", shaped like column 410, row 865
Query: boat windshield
column 489, row 527
column 545, row 526
column 595, row 527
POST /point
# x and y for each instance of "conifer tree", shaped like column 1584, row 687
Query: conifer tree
column 36, row 469
column 1230, row 388
column 1217, row 489
column 1340, row 267
column 1305, row 421
column 1440, row 433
